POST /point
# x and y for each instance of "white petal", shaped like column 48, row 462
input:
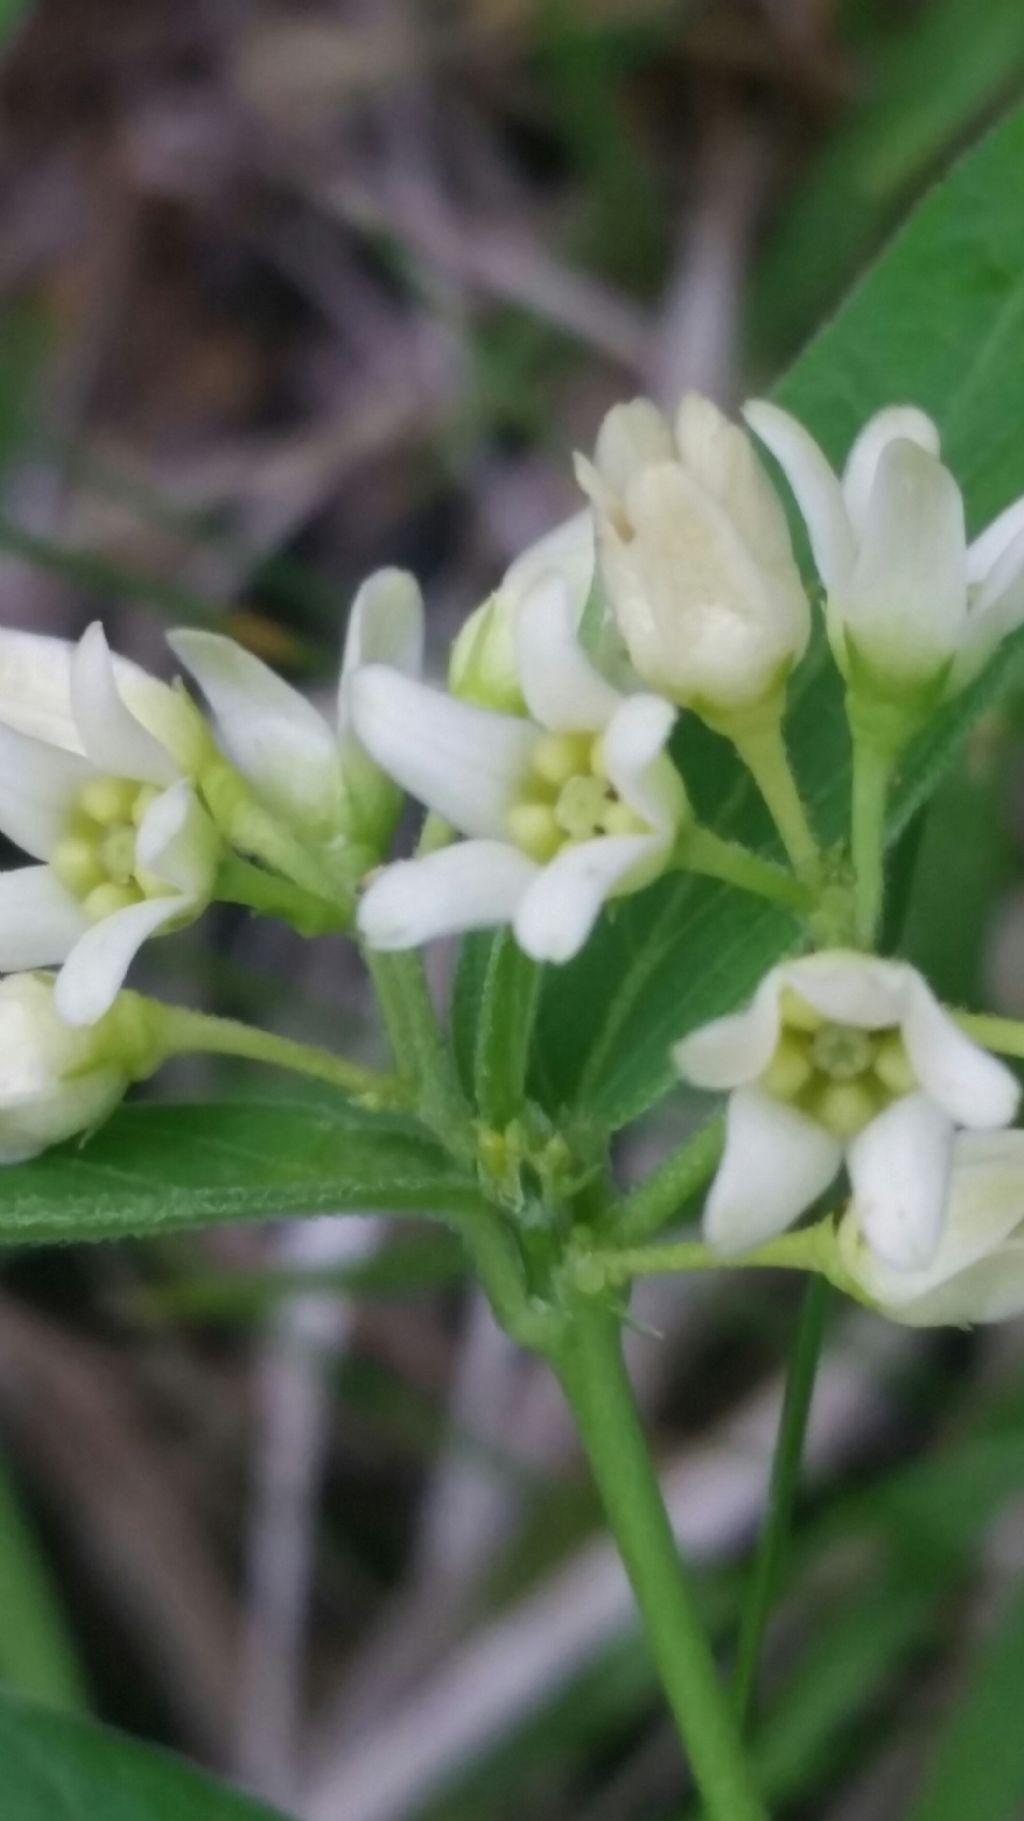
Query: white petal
column 907, row 601
column 40, row 922
column 991, row 1290
column 35, row 687
column 633, row 749
column 568, row 550
column 996, row 610
column 984, row 1206
column 733, row 1051
column 899, row 1170
column 114, row 740
column 38, row 787
column 385, row 626
column 93, row 974
column 815, row 486
column 466, row 763
column 474, row 885
column 277, row 739
column 850, row 988
column 722, row 459
column 632, row 437
column 178, row 842
column 898, row 422
column 777, row 1162
column 562, row 689
column 973, row 1087
column 987, row 549
column 561, row 907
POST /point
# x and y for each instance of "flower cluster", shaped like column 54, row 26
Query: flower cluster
column 548, row 771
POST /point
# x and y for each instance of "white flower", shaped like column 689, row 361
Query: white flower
column 577, row 805
column 313, row 775
column 977, row 1271
column 694, row 550
column 841, row 1056
column 93, row 756
column 483, row 667
column 54, row 1080
column 911, row 604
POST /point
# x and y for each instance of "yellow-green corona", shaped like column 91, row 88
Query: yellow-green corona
column 567, row 797
column 840, row 1074
column 97, row 859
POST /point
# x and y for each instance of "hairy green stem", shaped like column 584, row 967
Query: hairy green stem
column 181, row 1032
column 759, row 741
column 808, row 1249
column 422, row 1057
column 653, row 1203
column 873, row 764
column 240, row 882
column 701, row 851
column 593, row 1376
column 783, row 1484
column 508, row 1008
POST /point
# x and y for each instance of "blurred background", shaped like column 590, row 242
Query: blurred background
column 288, row 291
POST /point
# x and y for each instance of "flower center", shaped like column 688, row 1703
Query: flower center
column 96, row 859
column 567, row 797
column 841, row 1075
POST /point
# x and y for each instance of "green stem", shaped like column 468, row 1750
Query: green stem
column 240, row 882
column 873, row 764
column 498, row 1264
column 702, row 851
column 180, row 1032
column 783, row 1485
column 593, row 1376
column 808, row 1249
column 421, row 1055
column 651, row 1205
column 758, row 738
column 507, row 1010
column 1005, row 1035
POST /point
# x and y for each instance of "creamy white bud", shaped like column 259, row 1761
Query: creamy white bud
column 694, row 552
column 55, row 1080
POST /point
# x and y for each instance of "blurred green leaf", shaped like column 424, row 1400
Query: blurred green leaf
column 921, row 77
column 55, row 1766
column 672, row 957
column 155, row 1169
column 394, row 1271
column 978, row 1769
column 37, row 1657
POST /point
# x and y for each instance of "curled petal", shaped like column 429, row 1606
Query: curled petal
column 850, row 988
column 38, row 787
column 93, row 974
column 561, row 906
column 178, row 842
column 268, row 729
column 897, row 423
column 991, row 546
column 815, row 486
column 995, row 612
column 561, row 687
column 906, row 603
column 984, row 1208
column 568, row 550
column 474, row 885
column 899, row 1171
column 973, row 1087
column 113, row 738
column 634, row 753
column 385, row 626
column 40, row 922
column 35, row 688
column 776, row 1163
column 733, row 1051
column 465, row 762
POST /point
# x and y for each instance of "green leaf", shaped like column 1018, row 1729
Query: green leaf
column 157, row 1169
column 978, row 1770
column 938, row 321
column 61, row 1769
column 37, row 1655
